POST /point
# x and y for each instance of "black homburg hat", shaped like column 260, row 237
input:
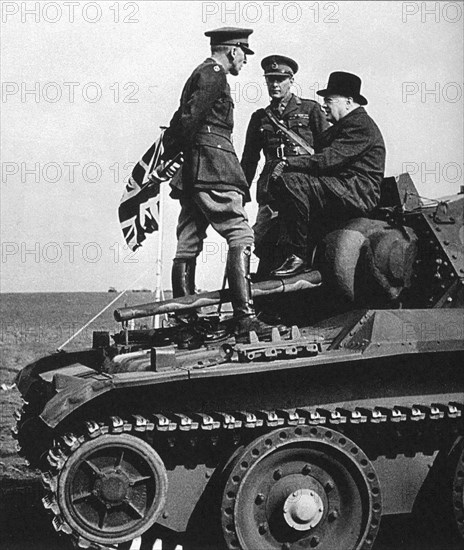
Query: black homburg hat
column 231, row 36
column 345, row 84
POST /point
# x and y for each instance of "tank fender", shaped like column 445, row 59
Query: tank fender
column 75, row 395
column 78, row 392
column 93, row 359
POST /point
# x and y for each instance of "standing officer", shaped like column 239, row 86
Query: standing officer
column 302, row 116
column 214, row 187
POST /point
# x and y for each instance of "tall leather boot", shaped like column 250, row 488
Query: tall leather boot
column 238, row 274
column 183, row 284
column 183, row 276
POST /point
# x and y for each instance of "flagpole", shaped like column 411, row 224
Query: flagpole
column 159, row 256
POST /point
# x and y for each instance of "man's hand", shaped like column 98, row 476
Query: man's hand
column 172, row 167
column 165, row 171
column 278, row 169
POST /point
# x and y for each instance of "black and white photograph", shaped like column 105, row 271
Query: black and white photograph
column 232, row 275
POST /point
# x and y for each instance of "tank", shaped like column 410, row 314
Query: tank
column 304, row 441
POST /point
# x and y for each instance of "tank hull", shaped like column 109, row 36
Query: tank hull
column 389, row 380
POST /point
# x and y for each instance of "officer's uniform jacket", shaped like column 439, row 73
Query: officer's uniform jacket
column 302, row 116
column 202, row 129
column 350, row 161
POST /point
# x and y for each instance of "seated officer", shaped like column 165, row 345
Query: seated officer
column 305, row 118
column 340, row 181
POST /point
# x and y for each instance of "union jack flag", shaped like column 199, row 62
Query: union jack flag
column 139, row 207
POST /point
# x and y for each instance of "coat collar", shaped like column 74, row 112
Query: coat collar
column 292, row 105
column 212, row 61
column 359, row 111
column 356, row 112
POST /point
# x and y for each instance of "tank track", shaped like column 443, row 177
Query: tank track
column 378, row 431
column 425, row 421
column 25, row 434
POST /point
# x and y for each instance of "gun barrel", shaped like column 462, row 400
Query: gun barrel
column 303, row 281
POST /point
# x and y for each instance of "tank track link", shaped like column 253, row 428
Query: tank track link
column 28, row 445
column 426, row 420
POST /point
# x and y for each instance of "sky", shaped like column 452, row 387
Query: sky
column 86, row 86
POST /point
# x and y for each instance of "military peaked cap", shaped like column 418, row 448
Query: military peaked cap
column 231, row 36
column 279, row 65
column 345, row 84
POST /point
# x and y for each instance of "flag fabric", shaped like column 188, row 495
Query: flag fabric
column 139, row 206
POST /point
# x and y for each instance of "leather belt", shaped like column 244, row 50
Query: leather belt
column 217, row 130
column 289, row 151
column 295, row 151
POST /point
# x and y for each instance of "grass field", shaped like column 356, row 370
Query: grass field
column 34, row 325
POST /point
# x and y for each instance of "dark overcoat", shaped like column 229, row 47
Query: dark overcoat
column 202, row 129
column 303, row 116
column 350, row 161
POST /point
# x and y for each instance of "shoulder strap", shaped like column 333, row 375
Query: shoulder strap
column 290, row 133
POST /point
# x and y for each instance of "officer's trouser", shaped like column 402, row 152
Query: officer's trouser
column 223, row 210
column 267, row 229
column 309, row 208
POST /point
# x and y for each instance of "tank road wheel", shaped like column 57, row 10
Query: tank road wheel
column 458, row 492
column 303, row 487
column 112, row 489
